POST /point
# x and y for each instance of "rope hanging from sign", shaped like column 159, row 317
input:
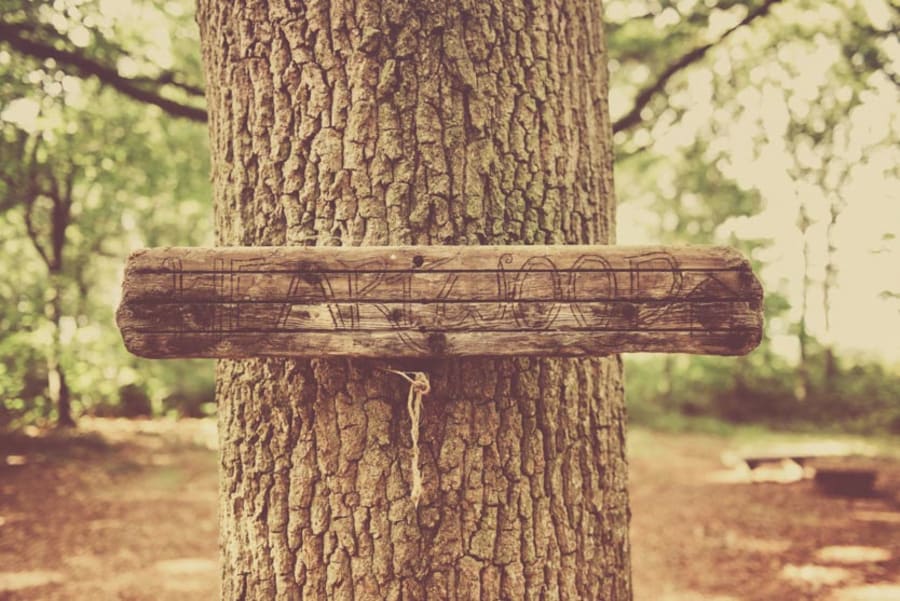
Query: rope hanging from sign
column 419, row 386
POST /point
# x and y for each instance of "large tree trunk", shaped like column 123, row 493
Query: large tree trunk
column 427, row 123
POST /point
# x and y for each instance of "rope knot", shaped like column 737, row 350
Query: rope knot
column 419, row 386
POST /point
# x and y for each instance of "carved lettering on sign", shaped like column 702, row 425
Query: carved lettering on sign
column 432, row 301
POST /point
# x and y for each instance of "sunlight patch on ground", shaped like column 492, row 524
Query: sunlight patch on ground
column 16, row 460
column 7, row 519
column 869, row 592
column 751, row 544
column 695, row 596
column 105, row 524
column 161, row 459
column 740, row 474
column 154, row 434
column 84, row 562
column 850, row 554
column 785, row 471
column 813, row 576
column 187, row 566
column 188, row 573
column 887, row 517
column 15, row 581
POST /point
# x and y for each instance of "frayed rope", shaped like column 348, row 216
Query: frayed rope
column 419, row 386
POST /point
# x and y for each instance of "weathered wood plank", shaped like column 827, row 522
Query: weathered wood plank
column 438, row 301
column 434, row 258
column 465, row 286
column 409, row 344
column 437, row 316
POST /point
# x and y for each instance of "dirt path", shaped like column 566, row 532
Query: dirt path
column 695, row 538
column 127, row 510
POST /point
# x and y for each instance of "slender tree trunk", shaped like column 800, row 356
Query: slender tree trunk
column 827, row 289
column 668, row 381
column 52, row 255
column 57, row 387
column 802, row 387
column 60, row 397
column 429, row 123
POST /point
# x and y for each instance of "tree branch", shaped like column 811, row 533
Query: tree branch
column 633, row 117
column 86, row 66
column 61, row 214
column 172, row 78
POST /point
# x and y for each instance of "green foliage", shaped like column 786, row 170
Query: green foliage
column 860, row 397
column 804, row 82
column 137, row 179
column 692, row 169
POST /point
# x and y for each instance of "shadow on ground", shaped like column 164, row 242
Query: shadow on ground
column 120, row 509
column 126, row 510
column 698, row 536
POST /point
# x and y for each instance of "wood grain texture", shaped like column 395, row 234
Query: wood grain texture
column 569, row 300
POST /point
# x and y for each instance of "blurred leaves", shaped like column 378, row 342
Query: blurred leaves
column 75, row 35
column 726, row 110
column 775, row 141
column 131, row 177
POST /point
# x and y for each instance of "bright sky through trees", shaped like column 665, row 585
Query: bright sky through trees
column 785, row 84
column 793, row 79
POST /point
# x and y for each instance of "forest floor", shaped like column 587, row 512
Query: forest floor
column 126, row 510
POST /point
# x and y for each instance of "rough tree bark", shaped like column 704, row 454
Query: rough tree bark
column 416, row 123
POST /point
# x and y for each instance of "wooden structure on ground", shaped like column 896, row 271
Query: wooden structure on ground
column 432, row 301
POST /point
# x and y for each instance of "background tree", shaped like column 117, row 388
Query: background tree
column 776, row 103
column 423, row 123
column 35, row 185
column 79, row 170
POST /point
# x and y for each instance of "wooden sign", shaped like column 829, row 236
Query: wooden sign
column 432, row 301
